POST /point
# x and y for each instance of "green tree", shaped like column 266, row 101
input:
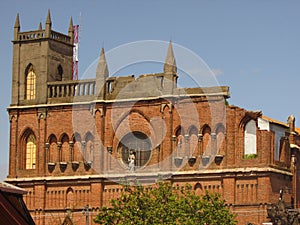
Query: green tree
column 165, row 204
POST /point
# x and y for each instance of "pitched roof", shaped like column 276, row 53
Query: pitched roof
column 12, row 207
column 275, row 121
column 297, row 129
column 6, row 187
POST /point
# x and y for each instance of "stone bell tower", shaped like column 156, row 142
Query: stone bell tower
column 39, row 56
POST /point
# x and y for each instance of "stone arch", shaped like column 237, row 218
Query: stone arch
column 77, row 148
column 221, row 139
column 136, row 121
column 70, row 198
column 128, row 113
column 180, row 143
column 89, row 147
column 67, row 221
column 198, row 189
column 193, row 139
column 52, row 151
column 206, row 140
column 65, row 148
column 166, row 107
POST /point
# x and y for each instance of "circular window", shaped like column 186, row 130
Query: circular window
column 135, row 149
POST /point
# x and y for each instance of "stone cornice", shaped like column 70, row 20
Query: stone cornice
column 236, row 172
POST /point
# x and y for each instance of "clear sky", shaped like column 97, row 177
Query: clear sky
column 253, row 46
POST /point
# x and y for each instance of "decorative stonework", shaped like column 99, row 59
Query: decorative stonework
column 13, row 116
column 75, row 165
column 178, row 161
column 163, row 105
column 63, row 166
column 205, row 159
column 87, row 165
column 218, row 159
column 192, row 160
column 51, row 166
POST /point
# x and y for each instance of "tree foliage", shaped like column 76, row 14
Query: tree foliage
column 165, row 204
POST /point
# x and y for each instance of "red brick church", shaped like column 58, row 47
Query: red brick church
column 73, row 141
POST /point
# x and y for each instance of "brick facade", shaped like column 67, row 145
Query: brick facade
column 80, row 129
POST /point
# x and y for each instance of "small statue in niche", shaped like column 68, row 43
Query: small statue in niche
column 131, row 160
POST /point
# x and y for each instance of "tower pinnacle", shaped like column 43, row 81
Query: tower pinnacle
column 16, row 27
column 71, row 30
column 48, row 25
column 17, row 22
column 170, row 62
column 48, row 20
column 102, row 69
column 40, row 26
column 101, row 75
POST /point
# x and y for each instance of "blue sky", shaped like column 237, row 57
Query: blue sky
column 254, row 46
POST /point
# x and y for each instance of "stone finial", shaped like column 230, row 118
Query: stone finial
column 71, row 30
column 48, row 25
column 17, row 27
column 170, row 62
column 102, row 69
column 48, row 20
column 17, row 22
column 101, row 75
column 40, row 26
column 291, row 123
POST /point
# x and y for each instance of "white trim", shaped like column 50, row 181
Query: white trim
column 152, row 174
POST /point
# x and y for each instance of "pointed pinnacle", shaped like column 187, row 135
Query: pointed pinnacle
column 17, row 22
column 48, row 20
column 170, row 62
column 71, row 25
column 40, row 26
column 102, row 69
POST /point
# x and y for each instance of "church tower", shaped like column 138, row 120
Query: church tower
column 39, row 56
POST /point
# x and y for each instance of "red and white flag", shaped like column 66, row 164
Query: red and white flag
column 75, row 52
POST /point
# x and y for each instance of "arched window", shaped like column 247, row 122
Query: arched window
column 137, row 144
column 30, row 83
column 250, row 138
column 30, row 152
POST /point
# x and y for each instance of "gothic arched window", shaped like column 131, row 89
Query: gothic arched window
column 250, row 138
column 30, row 152
column 30, row 83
